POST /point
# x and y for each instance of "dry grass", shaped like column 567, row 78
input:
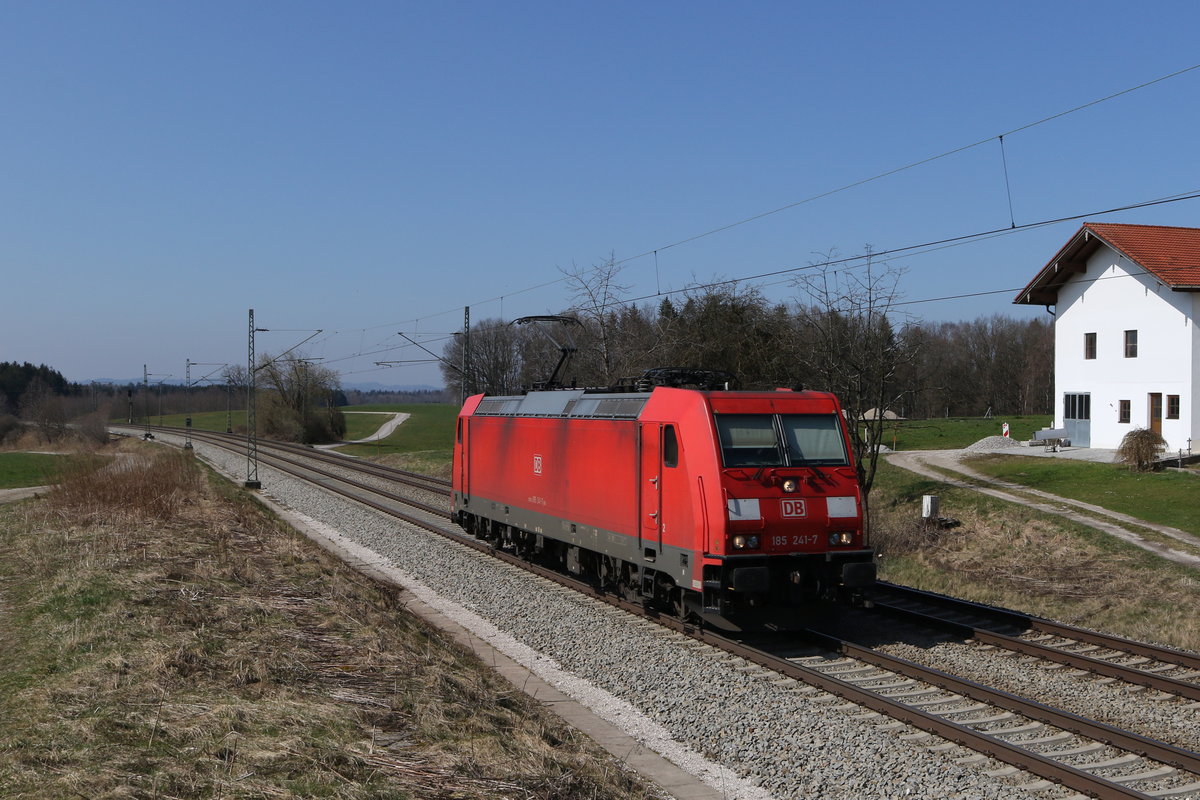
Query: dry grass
column 163, row 640
column 1007, row 555
column 434, row 464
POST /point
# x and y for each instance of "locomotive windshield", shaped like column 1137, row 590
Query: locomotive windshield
column 777, row 440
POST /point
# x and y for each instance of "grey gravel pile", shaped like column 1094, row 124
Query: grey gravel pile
column 990, row 444
column 788, row 739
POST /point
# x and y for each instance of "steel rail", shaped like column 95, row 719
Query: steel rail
column 1001, row 750
column 993, row 746
column 1166, row 655
column 1099, row 666
column 428, row 483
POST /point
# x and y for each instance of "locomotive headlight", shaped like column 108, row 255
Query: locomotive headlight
column 741, row 542
column 844, row 537
column 790, row 485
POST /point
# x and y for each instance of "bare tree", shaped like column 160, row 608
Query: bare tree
column 852, row 350
column 597, row 297
column 299, row 400
column 41, row 406
column 495, row 362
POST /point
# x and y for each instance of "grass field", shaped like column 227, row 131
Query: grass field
column 1168, row 497
column 28, row 469
column 202, row 421
column 1009, row 555
column 423, row 443
column 954, row 433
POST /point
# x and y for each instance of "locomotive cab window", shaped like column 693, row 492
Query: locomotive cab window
column 814, row 439
column 773, row 440
column 749, row 440
column 670, row 447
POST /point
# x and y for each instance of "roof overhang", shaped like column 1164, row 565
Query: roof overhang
column 1068, row 261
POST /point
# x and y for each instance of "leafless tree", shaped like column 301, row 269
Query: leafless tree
column 852, row 349
column 41, row 406
column 596, row 301
column 495, row 359
column 298, row 399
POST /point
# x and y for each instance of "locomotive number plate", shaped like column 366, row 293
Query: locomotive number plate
column 792, row 507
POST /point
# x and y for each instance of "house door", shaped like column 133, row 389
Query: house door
column 650, row 529
column 1155, row 404
column 1077, row 418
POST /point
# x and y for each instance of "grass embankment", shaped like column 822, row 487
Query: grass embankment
column 1008, row 555
column 28, row 469
column 953, row 433
column 1166, row 498
column 422, row 443
column 163, row 637
column 201, row 421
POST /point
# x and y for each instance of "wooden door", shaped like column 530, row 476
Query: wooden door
column 1156, row 412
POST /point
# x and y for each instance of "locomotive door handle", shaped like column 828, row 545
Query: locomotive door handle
column 654, row 514
column 654, row 480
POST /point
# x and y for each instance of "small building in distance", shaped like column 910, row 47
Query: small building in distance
column 1125, row 300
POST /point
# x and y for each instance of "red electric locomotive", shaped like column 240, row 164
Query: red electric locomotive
column 738, row 507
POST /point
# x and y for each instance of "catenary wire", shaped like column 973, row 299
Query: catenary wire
column 846, row 187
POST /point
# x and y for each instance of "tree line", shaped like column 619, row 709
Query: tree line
column 297, row 400
column 846, row 339
column 843, row 332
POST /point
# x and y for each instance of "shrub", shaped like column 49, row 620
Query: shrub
column 143, row 485
column 9, row 425
column 1140, row 449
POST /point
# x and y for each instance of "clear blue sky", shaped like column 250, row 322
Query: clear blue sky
column 364, row 167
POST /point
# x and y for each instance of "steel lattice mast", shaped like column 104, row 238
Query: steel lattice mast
column 252, row 481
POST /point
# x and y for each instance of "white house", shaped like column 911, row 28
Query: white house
column 1125, row 300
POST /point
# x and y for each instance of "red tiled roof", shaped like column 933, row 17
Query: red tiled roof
column 1170, row 254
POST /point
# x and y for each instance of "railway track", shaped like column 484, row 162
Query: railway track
column 1153, row 666
column 1055, row 746
column 1095, row 759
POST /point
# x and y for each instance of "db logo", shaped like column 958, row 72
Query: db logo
column 537, row 465
column 792, row 507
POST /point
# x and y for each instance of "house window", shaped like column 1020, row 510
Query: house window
column 1131, row 344
column 1172, row 406
column 1123, row 413
column 1089, row 346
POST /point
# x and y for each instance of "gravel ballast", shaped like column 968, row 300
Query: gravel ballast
column 676, row 696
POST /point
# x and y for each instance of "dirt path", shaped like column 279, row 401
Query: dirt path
column 11, row 495
column 385, row 430
column 923, row 462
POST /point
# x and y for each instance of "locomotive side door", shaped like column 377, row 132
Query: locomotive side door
column 464, row 451
column 650, row 475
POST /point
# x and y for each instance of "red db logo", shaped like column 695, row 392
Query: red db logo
column 792, row 507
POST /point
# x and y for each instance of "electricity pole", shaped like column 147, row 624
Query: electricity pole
column 252, row 481
column 466, row 357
